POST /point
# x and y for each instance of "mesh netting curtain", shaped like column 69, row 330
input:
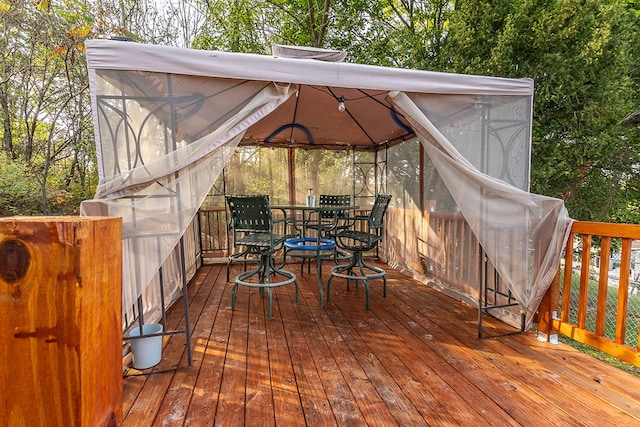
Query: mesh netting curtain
column 537, row 224
column 155, row 174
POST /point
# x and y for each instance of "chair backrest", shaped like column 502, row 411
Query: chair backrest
column 334, row 200
column 376, row 216
column 250, row 213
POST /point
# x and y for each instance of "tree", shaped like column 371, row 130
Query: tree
column 237, row 26
column 47, row 125
column 44, row 92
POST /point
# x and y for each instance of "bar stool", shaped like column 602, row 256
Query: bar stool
column 361, row 235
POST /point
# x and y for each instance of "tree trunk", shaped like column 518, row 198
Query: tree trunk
column 7, row 137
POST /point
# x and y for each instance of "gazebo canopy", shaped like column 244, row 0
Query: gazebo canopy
column 168, row 119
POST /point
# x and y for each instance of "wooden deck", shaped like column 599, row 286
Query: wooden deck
column 414, row 359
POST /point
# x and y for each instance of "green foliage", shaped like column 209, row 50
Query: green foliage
column 45, row 111
column 19, row 190
column 238, row 26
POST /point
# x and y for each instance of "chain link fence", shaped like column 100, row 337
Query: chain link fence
column 612, row 296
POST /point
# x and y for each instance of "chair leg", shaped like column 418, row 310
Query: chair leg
column 366, row 294
column 284, row 257
column 319, row 278
column 356, row 270
column 234, row 291
column 236, row 257
column 265, row 271
column 384, row 286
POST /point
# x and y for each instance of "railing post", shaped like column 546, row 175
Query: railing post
column 61, row 321
column 549, row 307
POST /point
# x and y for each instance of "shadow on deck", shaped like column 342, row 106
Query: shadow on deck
column 413, row 359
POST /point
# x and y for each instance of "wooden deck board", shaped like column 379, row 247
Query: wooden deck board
column 388, row 374
column 413, row 359
column 489, row 371
column 211, row 349
column 286, row 400
column 344, row 409
column 440, row 402
column 369, row 405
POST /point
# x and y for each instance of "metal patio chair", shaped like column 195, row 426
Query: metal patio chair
column 329, row 219
column 361, row 234
column 253, row 228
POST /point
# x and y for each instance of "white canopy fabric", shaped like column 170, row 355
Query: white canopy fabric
column 126, row 56
column 536, row 224
column 167, row 120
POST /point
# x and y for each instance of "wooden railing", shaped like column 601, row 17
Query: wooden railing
column 214, row 232
column 594, row 299
column 450, row 251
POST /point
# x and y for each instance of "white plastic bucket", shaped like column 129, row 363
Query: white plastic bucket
column 147, row 352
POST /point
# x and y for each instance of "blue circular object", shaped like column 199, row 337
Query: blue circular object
column 310, row 244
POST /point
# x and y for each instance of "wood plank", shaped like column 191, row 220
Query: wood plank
column 403, row 409
column 202, row 313
column 258, row 389
column 622, row 312
column 214, row 347
column 614, row 387
column 286, row 400
column 603, row 285
column 315, row 403
column 343, row 403
column 521, row 384
column 231, row 400
column 630, row 231
column 584, row 281
column 60, row 321
column 495, row 385
column 413, row 359
column 420, row 339
column 372, row 408
column 431, row 371
column 408, row 373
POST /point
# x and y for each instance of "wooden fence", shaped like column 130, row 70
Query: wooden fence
column 593, row 299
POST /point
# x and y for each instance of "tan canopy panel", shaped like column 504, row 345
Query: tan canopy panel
column 167, row 121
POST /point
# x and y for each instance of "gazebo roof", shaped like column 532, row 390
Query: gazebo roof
column 311, row 118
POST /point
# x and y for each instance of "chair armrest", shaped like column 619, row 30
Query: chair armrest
column 289, row 223
column 352, row 220
column 287, row 219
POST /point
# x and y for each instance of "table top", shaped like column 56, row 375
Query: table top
column 318, row 208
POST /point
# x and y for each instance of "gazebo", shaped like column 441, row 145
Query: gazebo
column 168, row 121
